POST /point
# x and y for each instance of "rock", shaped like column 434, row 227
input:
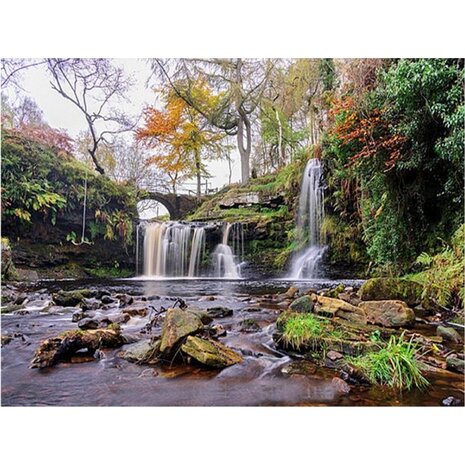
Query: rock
column 106, row 299
column 142, row 352
column 249, row 325
column 88, row 323
column 90, row 304
column 219, row 312
column 119, row 319
column 8, row 268
column 60, row 348
column 392, row 289
column 252, row 309
column 207, row 298
column 299, row 367
column 449, row 334
column 72, row 298
column 210, row 353
column 333, row 355
column 389, row 313
column 452, row 401
column 340, row 385
column 303, row 304
column 39, row 305
column 205, row 318
column 218, row 330
column 81, row 314
column 327, row 306
column 334, row 293
column 125, row 299
column 455, row 364
column 177, row 325
column 136, row 310
column 290, row 293
column 352, row 298
column 6, row 339
column 20, row 298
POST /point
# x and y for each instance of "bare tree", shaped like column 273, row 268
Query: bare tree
column 92, row 85
column 239, row 85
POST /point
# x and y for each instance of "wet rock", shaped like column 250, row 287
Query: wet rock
column 119, row 319
column 136, row 310
column 327, row 306
column 455, row 364
column 333, row 355
column 218, row 330
column 452, row 401
column 81, row 314
column 303, row 304
column 20, row 298
column 145, row 351
column 210, row 353
column 207, row 298
column 11, row 308
column 107, row 299
column 219, row 312
column 88, row 323
column 90, row 304
column 205, row 318
column 290, row 293
column 449, row 334
column 125, row 299
column 177, row 325
column 341, row 386
column 39, row 305
column 6, row 339
column 249, row 325
column 72, row 298
column 252, row 309
column 61, row 348
column 334, row 293
column 350, row 297
column 299, row 367
column 391, row 289
column 388, row 313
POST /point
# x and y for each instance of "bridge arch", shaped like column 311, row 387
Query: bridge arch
column 178, row 205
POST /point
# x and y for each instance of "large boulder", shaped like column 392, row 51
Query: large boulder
column 72, row 298
column 389, row 313
column 145, row 351
column 303, row 304
column 327, row 306
column 449, row 334
column 391, row 289
column 177, row 325
column 210, row 353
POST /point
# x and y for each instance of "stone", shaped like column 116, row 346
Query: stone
column 177, row 325
column 219, row 312
column 120, row 319
column 299, row 367
column 388, row 313
column 20, row 298
column 6, row 339
column 392, row 289
column 456, row 364
column 449, row 334
column 90, row 304
column 61, row 348
column 342, row 388
column 333, row 355
column 291, row 292
column 81, row 314
column 334, row 292
column 136, row 310
column 145, row 351
column 210, row 353
column 303, row 304
column 207, row 298
column 218, row 330
column 106, row 299
column 328, row 306
column 249, row 325
column 72, row 298
column 452, row 401
column 125, row 299
column 88, row 323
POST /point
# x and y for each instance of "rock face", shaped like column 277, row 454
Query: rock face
column 338, row 308
column 210, row 353
column 389, row 313
column 391, row 289
column 177, row 325
column 60, row 348
column 455, row 364
column 449, row 334
column 303, row 304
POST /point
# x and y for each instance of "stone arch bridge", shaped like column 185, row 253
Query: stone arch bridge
column 178, row 205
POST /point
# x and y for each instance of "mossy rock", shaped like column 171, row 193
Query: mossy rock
column 140, row 352
column 303, row 304
column 177, row 325
column 392, row 289
column 72, row 298
column 389, row 313
column 210, row 353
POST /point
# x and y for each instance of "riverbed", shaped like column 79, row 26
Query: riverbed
column 265, row 377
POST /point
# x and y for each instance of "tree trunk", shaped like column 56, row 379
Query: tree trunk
column 244, row 150
column 198, row 175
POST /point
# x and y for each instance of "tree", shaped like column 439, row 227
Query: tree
column 239, row 85
column 180, row 136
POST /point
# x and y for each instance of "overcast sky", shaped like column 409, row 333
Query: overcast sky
column 60, row 113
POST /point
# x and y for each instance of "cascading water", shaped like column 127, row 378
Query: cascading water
column 309, row 220
column 174, row 249
column 225, row 261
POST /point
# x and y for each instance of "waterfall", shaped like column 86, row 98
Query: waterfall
column 225, row 263
column 175, row 249
column 309, row 220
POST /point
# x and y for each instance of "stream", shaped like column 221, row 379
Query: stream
column 263, row 378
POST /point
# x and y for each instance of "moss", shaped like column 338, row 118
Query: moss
column 391, row 289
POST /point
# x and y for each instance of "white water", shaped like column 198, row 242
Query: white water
column 306, row 263
column 225, row 261
column 178, row 250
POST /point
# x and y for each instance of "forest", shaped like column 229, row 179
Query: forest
column 307, row 213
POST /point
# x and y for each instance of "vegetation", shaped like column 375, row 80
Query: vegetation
column 395, row 365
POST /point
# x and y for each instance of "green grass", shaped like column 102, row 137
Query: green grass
column 395, row 365
column 302, row 329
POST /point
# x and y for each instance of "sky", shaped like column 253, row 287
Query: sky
column 60, row 113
